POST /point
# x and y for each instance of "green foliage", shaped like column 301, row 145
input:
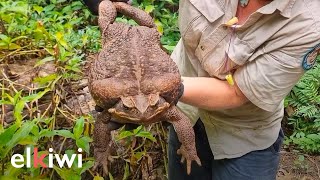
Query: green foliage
column 304, row 99
column 56, row 32
column 165, row 17
column 32, row 133
column 301, row 163
column 138, row 132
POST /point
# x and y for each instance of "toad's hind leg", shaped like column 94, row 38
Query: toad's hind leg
column 102, row 140
column 138, row 15
column 107, row 14
column 185, row 132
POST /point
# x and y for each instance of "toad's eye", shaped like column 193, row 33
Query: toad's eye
column 155, row 104
column 126, row 108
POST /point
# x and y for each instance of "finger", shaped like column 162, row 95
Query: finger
column 198, row 162
column 179, row 152
column 110, row 159
column 188, row 167
column 95, row 166
column 105, row 170
column 182, row 159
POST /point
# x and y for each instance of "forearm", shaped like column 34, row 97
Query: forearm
column 211, row 93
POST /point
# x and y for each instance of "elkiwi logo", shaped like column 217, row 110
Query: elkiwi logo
column 18, row 161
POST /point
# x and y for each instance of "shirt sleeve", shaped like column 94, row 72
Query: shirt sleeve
column 269, row 78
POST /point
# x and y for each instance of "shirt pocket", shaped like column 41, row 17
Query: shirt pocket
column 211, row 50
column 195, row 16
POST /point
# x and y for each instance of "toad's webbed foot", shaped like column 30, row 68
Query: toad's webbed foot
column 185, row 132
column 188, row 155
column 102, row 158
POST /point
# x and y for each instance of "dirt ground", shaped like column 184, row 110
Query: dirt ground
column 297, row 166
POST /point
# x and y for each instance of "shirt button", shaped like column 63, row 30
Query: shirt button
column 202, row 48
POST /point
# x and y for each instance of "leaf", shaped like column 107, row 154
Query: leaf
column 169, row 48
column 147, row 135
column 138, row 155
column 159, row 26
column 66, row 9
column 29, row 140
column 50, row 51
column 64, row 133
column 46, row 79
column 21, row 133
column 84, row 39
column 61, row 41
column 74, row 69
column 17, row 112
column 11, row 99
column 11, row 173
column 137, row 130
column 87, row 138
column 35, row 97
column 5, row 38
column 78, row 128
column 48, row 8
column 19, row 37
column 124, row 134
column 169, row 1
column 314, row 136
column 14, row 46
column 149, row 8
column 101, row 178
column 77, row 5
column 4, row 102
column 38, row 9
column 7, row 134
column 110, row 176
column 301, row 158
column 86, row 166
column 20, row 7
column 35, row 130
column 44, row 60
column 126, row 172
column 83, row 144
column 67, row 174
column 46, row 133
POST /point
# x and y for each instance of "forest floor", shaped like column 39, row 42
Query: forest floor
column 294, row 167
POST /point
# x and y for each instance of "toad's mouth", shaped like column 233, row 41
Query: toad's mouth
column 138, row 117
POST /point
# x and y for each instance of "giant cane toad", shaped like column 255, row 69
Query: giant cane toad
column 134, row 81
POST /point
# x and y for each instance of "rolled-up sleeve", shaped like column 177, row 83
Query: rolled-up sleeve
column 269, row 78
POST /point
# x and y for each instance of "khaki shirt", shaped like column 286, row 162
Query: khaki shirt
column 270, row 50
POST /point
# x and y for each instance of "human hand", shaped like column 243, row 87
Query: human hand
column 180, row 93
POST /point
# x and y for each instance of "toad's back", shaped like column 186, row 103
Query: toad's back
column 133, row 62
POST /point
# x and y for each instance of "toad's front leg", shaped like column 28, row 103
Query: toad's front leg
column 185, row 132
column 102, row 143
